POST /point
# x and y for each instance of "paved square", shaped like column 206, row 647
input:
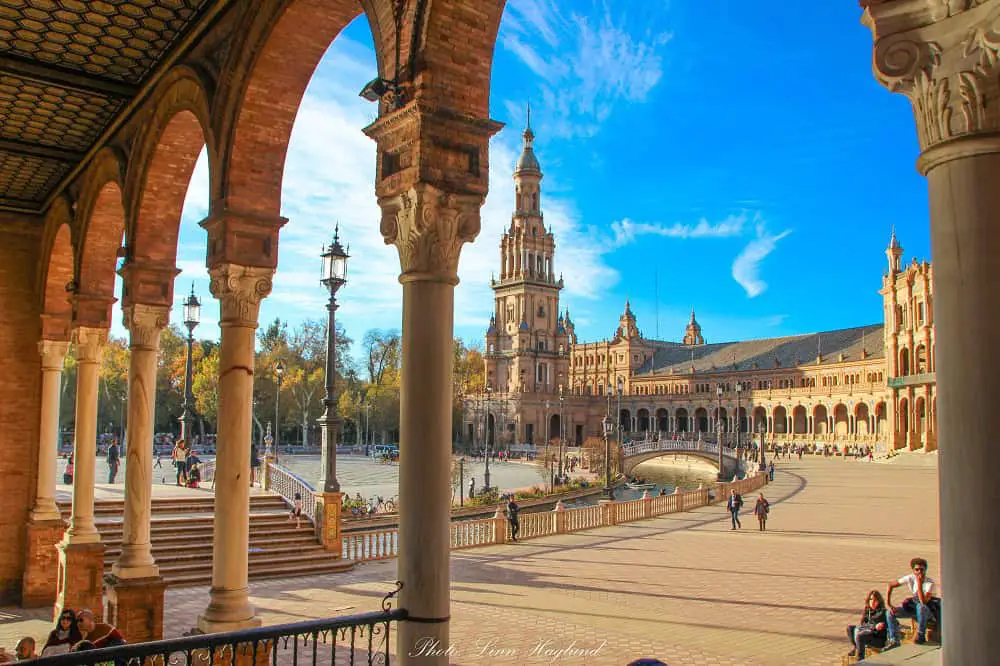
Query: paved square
column 683, row 588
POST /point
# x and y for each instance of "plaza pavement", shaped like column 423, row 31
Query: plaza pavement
column 683, row 587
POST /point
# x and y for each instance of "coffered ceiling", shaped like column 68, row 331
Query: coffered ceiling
column 69, row 70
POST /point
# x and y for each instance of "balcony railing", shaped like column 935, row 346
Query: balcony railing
column 911, row 380
column 286, row 483
column 352, row 639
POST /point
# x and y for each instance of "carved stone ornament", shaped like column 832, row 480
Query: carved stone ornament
column 429, row 227
column 240, row 290
column 949, row 69
column 145, row 323
column 88, row 343
column 53, row 353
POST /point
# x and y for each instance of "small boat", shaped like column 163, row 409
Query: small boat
column 640, row 486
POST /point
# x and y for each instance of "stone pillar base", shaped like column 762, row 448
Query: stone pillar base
column 328, row 507
column 81, row 578
column 135, row 606
column 38, row 588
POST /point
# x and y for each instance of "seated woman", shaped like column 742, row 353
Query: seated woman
column 64, row 636
column 871, row 631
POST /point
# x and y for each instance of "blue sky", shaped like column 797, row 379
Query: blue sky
column 732, row 157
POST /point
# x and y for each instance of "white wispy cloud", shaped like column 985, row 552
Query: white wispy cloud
column 746, row 266
column 626, row 231
column 585, row 64
column 329, row 179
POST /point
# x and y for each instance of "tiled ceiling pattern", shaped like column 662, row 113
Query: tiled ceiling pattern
column 67, row 69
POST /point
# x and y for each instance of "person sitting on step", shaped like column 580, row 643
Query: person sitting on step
column 872, row 630
column 921, row 604
column 102, row 635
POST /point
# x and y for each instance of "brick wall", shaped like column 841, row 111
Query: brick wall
column 19, row 396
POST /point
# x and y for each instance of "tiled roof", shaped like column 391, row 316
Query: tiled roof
column 789, row 352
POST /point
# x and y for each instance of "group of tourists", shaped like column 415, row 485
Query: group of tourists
column 187, row 465
column 879, row 623
column 75, row 631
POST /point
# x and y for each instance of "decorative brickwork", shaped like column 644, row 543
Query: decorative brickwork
column 328, row 520
column 38, row 587
column 135, row 606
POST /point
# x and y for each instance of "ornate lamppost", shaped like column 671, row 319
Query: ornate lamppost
column 279, row 371
column 618, row 418
column 333, row 277
column 608, row 424
column 763, row 465
column 192, row 315
column 718, row 431
column 461, row 481
column 562, row 429
column 486, row 436
column 739, row 422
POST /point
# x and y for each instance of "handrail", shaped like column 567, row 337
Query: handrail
column 364, row 637
column 287, row 483
column 383, row 543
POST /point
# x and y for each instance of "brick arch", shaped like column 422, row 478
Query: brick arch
column 160, row 168
column 57, row 268
column 456, row 54
column 104, row 225
column 286, row 56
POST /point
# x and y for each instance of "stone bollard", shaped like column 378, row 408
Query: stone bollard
column 500, row 525
column 559, row 517
column 609, row 512
column 328, row 510
column 647, row 504
column 265, row 483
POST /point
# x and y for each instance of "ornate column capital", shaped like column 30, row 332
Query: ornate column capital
column 242, row 238
column 53, row 353
column 945, row 56
column 240, row 290
column 145, row 323
column 147, row 282
column 88, row 343
column 429, row 227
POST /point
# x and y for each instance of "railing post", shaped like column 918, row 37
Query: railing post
column 266, row 481
column 500, row 525
column 559, row 517
column 647, row 504
column 608, row 513
column 328, row 507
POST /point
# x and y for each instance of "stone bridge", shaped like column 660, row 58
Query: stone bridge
column 639, row 452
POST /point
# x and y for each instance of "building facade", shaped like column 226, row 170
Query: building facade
column 870, row 385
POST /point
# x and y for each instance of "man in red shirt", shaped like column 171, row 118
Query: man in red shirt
column 100, row 634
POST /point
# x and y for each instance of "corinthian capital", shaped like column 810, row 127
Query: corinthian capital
column 88, row 343
column 945, row 56
column 53, row 353
column 145, row 323
column 240, row 290
column 429, row 227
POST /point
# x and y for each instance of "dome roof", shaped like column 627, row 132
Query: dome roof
column 528, row 161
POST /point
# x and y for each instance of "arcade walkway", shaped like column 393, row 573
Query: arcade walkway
column 682, row 587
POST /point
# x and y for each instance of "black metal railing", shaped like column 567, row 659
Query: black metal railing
column 351, row 639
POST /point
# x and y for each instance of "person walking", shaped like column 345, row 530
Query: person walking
column 114, row 459
column 68, row 472
column 770, row 471
column 513, row 512
column 472, row 487
column 761, row 509
column 734, row 504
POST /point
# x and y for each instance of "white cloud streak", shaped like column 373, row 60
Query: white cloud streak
column 746, row 266
column 626, row 231
column 585, row 64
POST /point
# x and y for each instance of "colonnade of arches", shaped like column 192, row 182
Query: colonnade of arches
column 861, row 419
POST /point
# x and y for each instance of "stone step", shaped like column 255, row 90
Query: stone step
column 259, row 570
column 160, row 549
column 290, row 553
column 164, row 525
column 165, row 505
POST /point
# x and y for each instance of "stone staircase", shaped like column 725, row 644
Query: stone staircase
column 181, row 535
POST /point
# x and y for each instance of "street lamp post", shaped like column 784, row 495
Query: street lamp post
column 486, row 436
column 739, row 389
column 618, row 418
column 718, row 431
column 763, row 465
column 334, row 276
column 608, row 424
column 121, row 420
column 279, row 371
column 192, row 315
column 461, row 481
column 562, row 429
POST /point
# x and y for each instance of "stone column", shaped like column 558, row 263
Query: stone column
column 429, row 227
column 81, row 553
column 45, row 523
column 239, row 290
column 135, row 596
column 945, row 59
